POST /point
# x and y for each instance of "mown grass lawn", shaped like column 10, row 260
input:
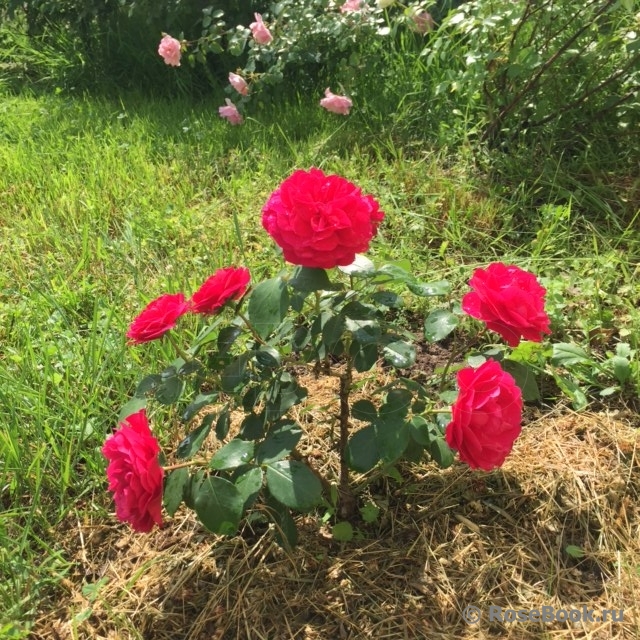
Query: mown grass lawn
column 105, row 204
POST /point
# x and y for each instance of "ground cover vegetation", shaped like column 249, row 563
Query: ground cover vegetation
column 488, row 133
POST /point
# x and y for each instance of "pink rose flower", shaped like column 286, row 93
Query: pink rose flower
column 259, row 31
column 423, row 22
column 336, row 104
column 486, row 418
column 230, row 112
column 351, row 6
column 320, row 220
column 239, row 83
column 158, row 317
column 222, row 287
column 134, row 474
column 510, row 301
column 169, row 49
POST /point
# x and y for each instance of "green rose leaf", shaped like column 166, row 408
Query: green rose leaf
column 400, row 354
column 364, row 410
column 441, row 453
column 219, row 505
column 439, row 324
column 361, row 266
column 363, row 331
column 174, row 488
column 362, row 450
column 525, row 378
column 288, row 395
column 428, row 289
column 268, row 305
column 252, row 427
column 293, row 484
column 423, row 432
column 202, row 400
column 396, row 405
column 226, row 338
column 364, row 355
column 169, row 391
column 248, row 481
column 222, row 424
column 279, row 443
column 332, row 331
column 132, row 406
column 392, row 438
column 192, row 443
column 192, row 366
column 393, row 272
column 268, row 357
column 148, row 384
column 234, row 374
column 308, row 279
column 388, row 299
column 233, row 454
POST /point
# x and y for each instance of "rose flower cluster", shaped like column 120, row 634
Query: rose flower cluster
column 322, row 221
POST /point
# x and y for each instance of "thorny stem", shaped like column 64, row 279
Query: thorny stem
column 251, row 328
column 182, row 465
column 347, row 501
column 179, row 350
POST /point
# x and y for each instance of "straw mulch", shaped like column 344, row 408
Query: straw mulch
column 445, row 540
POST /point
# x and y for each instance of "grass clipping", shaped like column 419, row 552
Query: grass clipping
column 444, row 540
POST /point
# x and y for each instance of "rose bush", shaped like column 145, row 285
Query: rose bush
column 510, row 301
column 134, row 473
column 486, row 417
column 245, row 362
column 320, row 220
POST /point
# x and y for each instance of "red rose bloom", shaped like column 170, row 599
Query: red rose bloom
column 158, row 317
column 319, row 220
column 223, row 286
column 486, row 417
column 135, row 477
column 510, row 301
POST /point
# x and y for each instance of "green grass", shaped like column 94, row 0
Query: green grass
column 106, row 204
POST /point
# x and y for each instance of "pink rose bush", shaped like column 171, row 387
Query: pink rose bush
column 352, row 6
column 335, row 103
column 170, row 50
column 230, row 112
column 510, row 301
column 320, row 220
column 134, row 474
column 239, row 84
column 158, row 317
column 259, row 31
column 486, row 417
column 222, row 287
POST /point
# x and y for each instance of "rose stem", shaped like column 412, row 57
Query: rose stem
column 347, row 501
column 179, row 350
column 251, row 328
